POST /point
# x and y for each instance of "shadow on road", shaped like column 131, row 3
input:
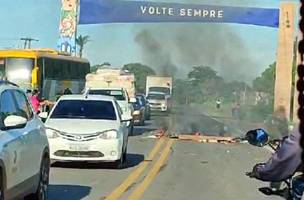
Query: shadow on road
column 140, row 130
column 68, row 192
column 132, row 161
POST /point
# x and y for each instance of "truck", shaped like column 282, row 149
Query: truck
column 112, row 78
column 158, row 92
column 161, row 84
column 117, row 83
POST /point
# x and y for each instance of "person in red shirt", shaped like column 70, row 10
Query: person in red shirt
column 37, row 102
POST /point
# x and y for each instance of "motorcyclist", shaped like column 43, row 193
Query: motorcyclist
column 284, row 163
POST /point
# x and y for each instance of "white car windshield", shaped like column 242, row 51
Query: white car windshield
column 84, row 109
column 156, row 96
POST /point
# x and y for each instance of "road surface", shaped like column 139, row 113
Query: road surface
column 179, row 170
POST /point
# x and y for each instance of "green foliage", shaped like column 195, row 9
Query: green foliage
column 140, row 72
column 200, row 74
column 265, row 82
column 81, row 41
column 208, row 86
column 94, row 68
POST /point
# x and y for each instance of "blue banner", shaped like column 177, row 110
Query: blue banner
column 115, row 11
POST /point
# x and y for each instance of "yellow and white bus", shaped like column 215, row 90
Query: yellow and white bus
column 44, row 69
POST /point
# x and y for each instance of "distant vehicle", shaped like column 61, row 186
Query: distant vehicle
column 159, row 101
column 112, row 78
column 47, row 70
column 24, row 149
column 146, row 104
column 161, row 84
column 123, row 100
column 139, row 112
column 87, row 128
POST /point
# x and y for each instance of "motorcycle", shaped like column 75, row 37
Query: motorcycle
column 291, row 188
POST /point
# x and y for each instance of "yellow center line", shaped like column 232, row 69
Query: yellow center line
column 141, row 188
column 115, row 194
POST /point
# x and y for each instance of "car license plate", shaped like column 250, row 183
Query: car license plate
column 77, row 147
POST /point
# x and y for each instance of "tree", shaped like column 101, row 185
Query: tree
column 201, row 74
column 205, row 82
column 81, row 41
column 140, row 72
column 94, row 68
column 265, row 82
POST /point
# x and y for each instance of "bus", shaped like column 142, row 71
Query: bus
column 47, row 70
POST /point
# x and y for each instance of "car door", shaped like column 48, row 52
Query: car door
column 13, row 144
column 31, row 137
column 123, row 125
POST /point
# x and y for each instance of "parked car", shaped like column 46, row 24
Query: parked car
column 121, row 97
column 87, row 128
column 24, row 149
column 139, row 112
column 146, row 104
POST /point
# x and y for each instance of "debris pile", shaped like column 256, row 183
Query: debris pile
column 207, row 139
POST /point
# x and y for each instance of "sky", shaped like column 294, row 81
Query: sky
column 117, row 44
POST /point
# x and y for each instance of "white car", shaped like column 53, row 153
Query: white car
column 24, row 149
column 159, row 101
column 123, row 100
column 87, row 128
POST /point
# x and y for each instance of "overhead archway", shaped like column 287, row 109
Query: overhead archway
column 114, row 11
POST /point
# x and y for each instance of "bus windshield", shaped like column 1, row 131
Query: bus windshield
column 19, row 70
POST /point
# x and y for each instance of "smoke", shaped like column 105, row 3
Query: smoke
column 174, row 49
column 155, row 53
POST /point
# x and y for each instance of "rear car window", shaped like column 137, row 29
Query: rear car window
column 84, row 109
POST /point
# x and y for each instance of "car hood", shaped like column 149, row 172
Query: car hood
column 81, row 126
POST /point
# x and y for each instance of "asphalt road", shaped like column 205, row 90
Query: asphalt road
column 187, row 170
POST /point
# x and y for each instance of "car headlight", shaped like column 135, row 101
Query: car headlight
column 111, row 134
column 136, row 112
column 52, row 133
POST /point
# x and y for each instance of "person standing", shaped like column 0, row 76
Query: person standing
column 218, row 103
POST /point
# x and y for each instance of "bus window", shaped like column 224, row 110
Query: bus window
column 19, row 71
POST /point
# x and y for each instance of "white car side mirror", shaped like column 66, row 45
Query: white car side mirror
column 126, row 119
column 43, row 115
column 132, row 100
column 14, row 121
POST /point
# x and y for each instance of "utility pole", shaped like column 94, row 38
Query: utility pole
column 28, row 42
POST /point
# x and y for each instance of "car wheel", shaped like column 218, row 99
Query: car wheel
column 42, row 190
column 124, row 156
column 148, row 116
column 131, row 129
column 118, row 163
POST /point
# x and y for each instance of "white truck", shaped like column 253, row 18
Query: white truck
column 117, row 83
column 161, row 84
column 158, row 92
